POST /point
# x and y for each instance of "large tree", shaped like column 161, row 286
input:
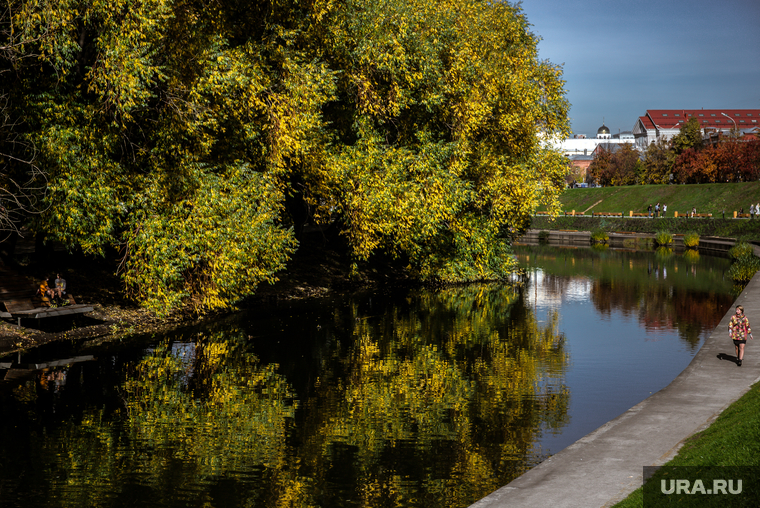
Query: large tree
column 199, row 138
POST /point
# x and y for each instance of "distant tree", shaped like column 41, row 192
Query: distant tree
column 690, row 136
column 737, row 160
column 625, row 165
column 694, row 166
column 658, row 163
column 620, row 167
column 749, row 159
column 600, row 169
column 574, row 174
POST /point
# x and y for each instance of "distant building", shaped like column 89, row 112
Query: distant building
column 625, row 136
column 580, row 150
column 579, row 144
column 714, row 136
column 666, row 123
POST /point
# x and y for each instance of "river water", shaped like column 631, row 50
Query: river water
column 413, row 398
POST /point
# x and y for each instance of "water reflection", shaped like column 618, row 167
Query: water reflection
column 434, row 400
column 416, row 398
column 665, row 292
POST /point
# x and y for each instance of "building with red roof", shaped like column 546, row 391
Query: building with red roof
column 666, row 123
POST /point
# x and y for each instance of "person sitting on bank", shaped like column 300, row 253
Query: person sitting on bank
column 45, row 292
column 60, row 286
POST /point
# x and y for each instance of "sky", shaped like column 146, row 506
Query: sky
column 622, row 58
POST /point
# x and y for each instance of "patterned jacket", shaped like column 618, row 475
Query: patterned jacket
column 739, row 327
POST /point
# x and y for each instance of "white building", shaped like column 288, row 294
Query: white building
column 580, row 145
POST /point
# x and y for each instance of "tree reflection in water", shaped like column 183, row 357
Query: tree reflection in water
column 435, row 402
column 668, row 291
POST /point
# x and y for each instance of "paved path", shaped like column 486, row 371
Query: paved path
column 605, row 466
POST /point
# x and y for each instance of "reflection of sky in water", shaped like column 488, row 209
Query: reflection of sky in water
column 617, row 359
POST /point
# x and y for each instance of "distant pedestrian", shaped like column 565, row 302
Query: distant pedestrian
column 649, row 209
column 664, row 210
column 752, row 211
column 694, row 211
column 657, row 209
column 738, row 331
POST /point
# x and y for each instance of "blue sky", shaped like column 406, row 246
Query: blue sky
column 622, row 58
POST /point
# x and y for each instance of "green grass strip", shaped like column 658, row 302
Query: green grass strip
column 732, row 440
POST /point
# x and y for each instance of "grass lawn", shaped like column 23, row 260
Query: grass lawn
column 707, row 198
column 732, row 440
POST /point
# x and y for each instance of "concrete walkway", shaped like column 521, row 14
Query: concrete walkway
column 605, row 466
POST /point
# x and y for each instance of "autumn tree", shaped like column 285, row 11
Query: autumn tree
column 658, row 163
column 616, row 165
column 736, row 160
column 694, row 166
column 198, row 140
column 600, row 169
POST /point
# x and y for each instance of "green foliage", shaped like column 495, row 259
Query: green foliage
column 413, row 127
column 745, row 263
column 543, row 236
column 599, row 236
column 741, row 250
column 744, row 268
column 689, row 136
column 691, row 240
column 209, row 255
column 663, row 238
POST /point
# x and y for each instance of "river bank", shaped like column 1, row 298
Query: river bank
column 318, row 269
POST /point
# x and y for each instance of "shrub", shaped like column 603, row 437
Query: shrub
column 663, row 238
column 543, row 236
column 599, row 236
column 740, row 250
column 743, row 268
column 691, row 240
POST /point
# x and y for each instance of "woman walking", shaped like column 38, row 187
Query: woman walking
column 738, row 330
